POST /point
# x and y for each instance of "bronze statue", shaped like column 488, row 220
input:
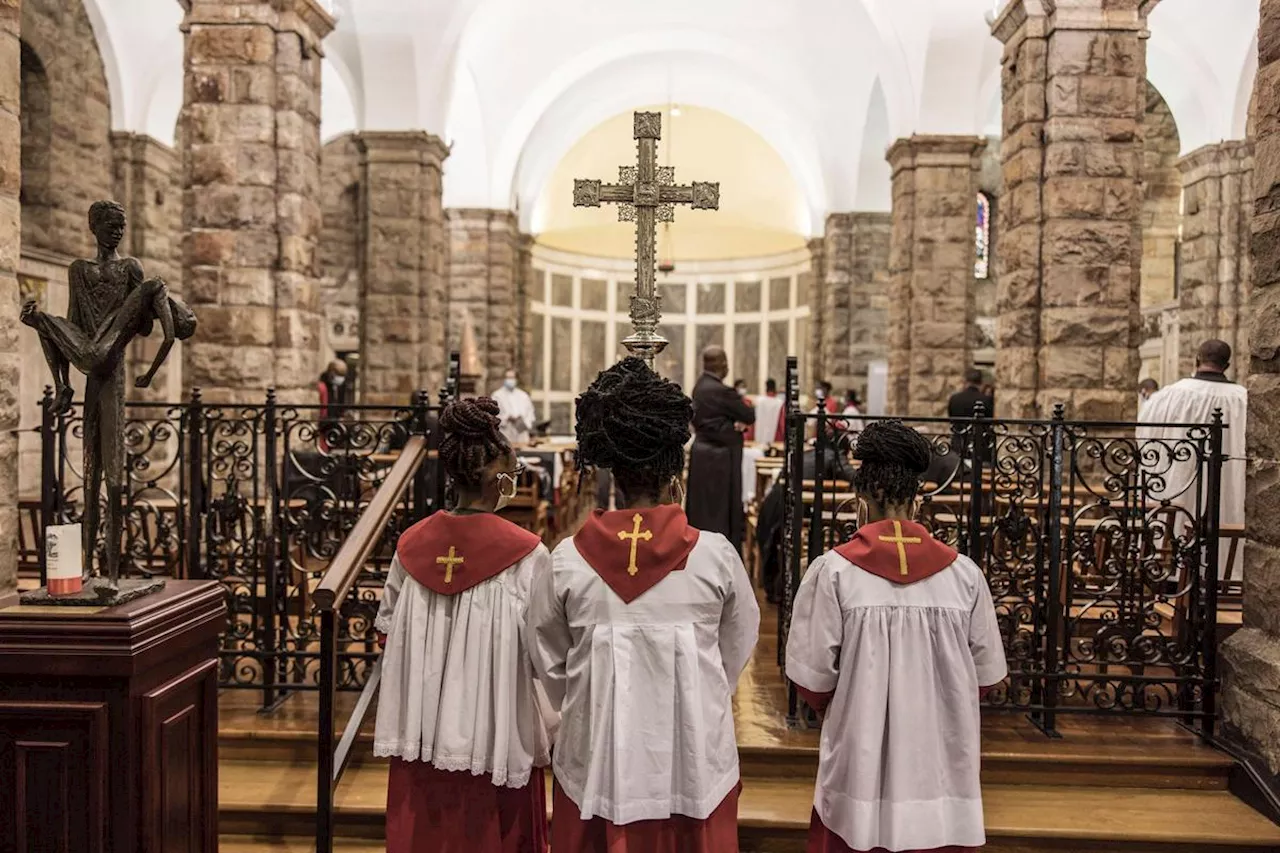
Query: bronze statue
column 110, row 304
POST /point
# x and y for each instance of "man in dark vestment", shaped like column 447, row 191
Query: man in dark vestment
column 961, row 406
column 715, row 465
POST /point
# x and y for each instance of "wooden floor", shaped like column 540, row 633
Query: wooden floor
column 1144, row 786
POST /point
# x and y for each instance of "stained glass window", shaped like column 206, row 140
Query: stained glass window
column 982, row 238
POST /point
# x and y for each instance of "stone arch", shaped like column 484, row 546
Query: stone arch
column 37, row 137
column 1161, row 202
column 58, row 34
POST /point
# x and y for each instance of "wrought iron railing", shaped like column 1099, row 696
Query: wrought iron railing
column 259, row 496
column 1100, row 542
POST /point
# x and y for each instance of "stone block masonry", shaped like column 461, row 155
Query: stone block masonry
column 854, row 297
column 484, row 268
column 404, row 296
column 931, row 295
column 1074, row 97
column 251, row 213
column 10, row 250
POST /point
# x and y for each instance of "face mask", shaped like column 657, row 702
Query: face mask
column 509, row 384
column 819, row 393
column 339, row 381
column 742, row 392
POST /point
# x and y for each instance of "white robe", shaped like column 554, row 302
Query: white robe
column 515, row 403
column 768, row 413
column 1193, row 401
column 645, row 689
column 457, row 685
column 900, row 753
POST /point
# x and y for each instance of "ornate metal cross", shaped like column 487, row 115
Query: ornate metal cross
column 646, row 194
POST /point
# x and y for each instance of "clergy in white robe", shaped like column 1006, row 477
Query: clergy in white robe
column 460, row 713
column 515, row 411
column 769, row 426
column 639, row 632
column 1183, row 481
column 900, row 658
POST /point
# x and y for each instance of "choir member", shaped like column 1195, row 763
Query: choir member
column 639, row 632
column 466, row 726
column 893, row 635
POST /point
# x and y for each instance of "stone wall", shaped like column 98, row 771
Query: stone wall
column 484, row 259
column 524, row 317
column 1251, row 658
column 1074, row 97
column 854, row 299
column 931, row 305
column 146, row 178
column 1217, row 185
column 66, row 124
column 813, row 363
column 404, row 301
column 10, row 249
column 1162, row 201
column 251, row 169
column 341, row 250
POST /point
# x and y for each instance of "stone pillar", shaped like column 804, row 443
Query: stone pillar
column 405, row 291
column 524, row 295
column 814, row 364
column 855, row 296
column 484, row 257
column 147, row 182
column 251, row 175
column 10, row 245
column 1070, row 252
column 1217, row 191
column 1250, row 660
column 931, row 306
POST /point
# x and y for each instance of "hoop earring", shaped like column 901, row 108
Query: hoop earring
column 677, row 488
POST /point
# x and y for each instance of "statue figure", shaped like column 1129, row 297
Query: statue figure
column 110, row 304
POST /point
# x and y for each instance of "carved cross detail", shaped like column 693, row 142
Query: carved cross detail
column 646, row 194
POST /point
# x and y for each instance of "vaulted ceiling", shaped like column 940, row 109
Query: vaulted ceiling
column 513, row 84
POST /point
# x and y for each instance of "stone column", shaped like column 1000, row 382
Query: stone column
column 251, row 175
column 1070, row 252
column 524, row 295
column 484, row 258
column 404, row 297
column 855, row 296
column 1217, row 192
column 1250, row 660
column 931, row 306
column 148, row 183
column 814, row 363
column 10, row 246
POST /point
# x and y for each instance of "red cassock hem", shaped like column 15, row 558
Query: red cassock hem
column 456, row 812
column 718, row 833
column 823, row 840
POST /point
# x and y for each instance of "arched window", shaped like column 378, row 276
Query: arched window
column 982, row 238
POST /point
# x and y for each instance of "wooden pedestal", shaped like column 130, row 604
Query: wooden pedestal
column 109, row 723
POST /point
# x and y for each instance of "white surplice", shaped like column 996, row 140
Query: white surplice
column 516, row 413
column 900, row 751
column 768, row 413
column 458, row 688
column 645, row 689
column 1193, row 401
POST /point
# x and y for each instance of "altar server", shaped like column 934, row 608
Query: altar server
column 466, row 726
column 892, row 636
column 639, row 633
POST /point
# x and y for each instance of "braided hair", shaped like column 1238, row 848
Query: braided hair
column 636, row 424
column 471, row 439
column 893, row 457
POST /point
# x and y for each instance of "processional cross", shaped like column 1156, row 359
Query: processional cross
column 646, row 194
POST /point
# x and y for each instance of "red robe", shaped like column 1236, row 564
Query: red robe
column 455, row 811
column 869, row 553
column 665, row 552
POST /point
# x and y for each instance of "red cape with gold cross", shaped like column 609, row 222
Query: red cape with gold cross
column 449, row 554
column 633, row 549
column 897, row 550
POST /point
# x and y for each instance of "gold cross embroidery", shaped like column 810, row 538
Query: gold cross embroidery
column 902, row 542
column 449, row 562
column 635, row 536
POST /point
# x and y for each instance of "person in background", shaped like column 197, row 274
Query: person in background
column 893, row 637
column 639, row 632
column 770, row 425
column 715, row 461
column 824, row 399
column 961, row 403
column 467, row 728
column 1146, row 388
column 516, row 411
column 740, row 388
column 852, row 403
column 329, row 386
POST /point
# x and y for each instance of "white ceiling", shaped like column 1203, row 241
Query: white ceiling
column 513, row 84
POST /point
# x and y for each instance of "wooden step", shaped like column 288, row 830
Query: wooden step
column 265, row 800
